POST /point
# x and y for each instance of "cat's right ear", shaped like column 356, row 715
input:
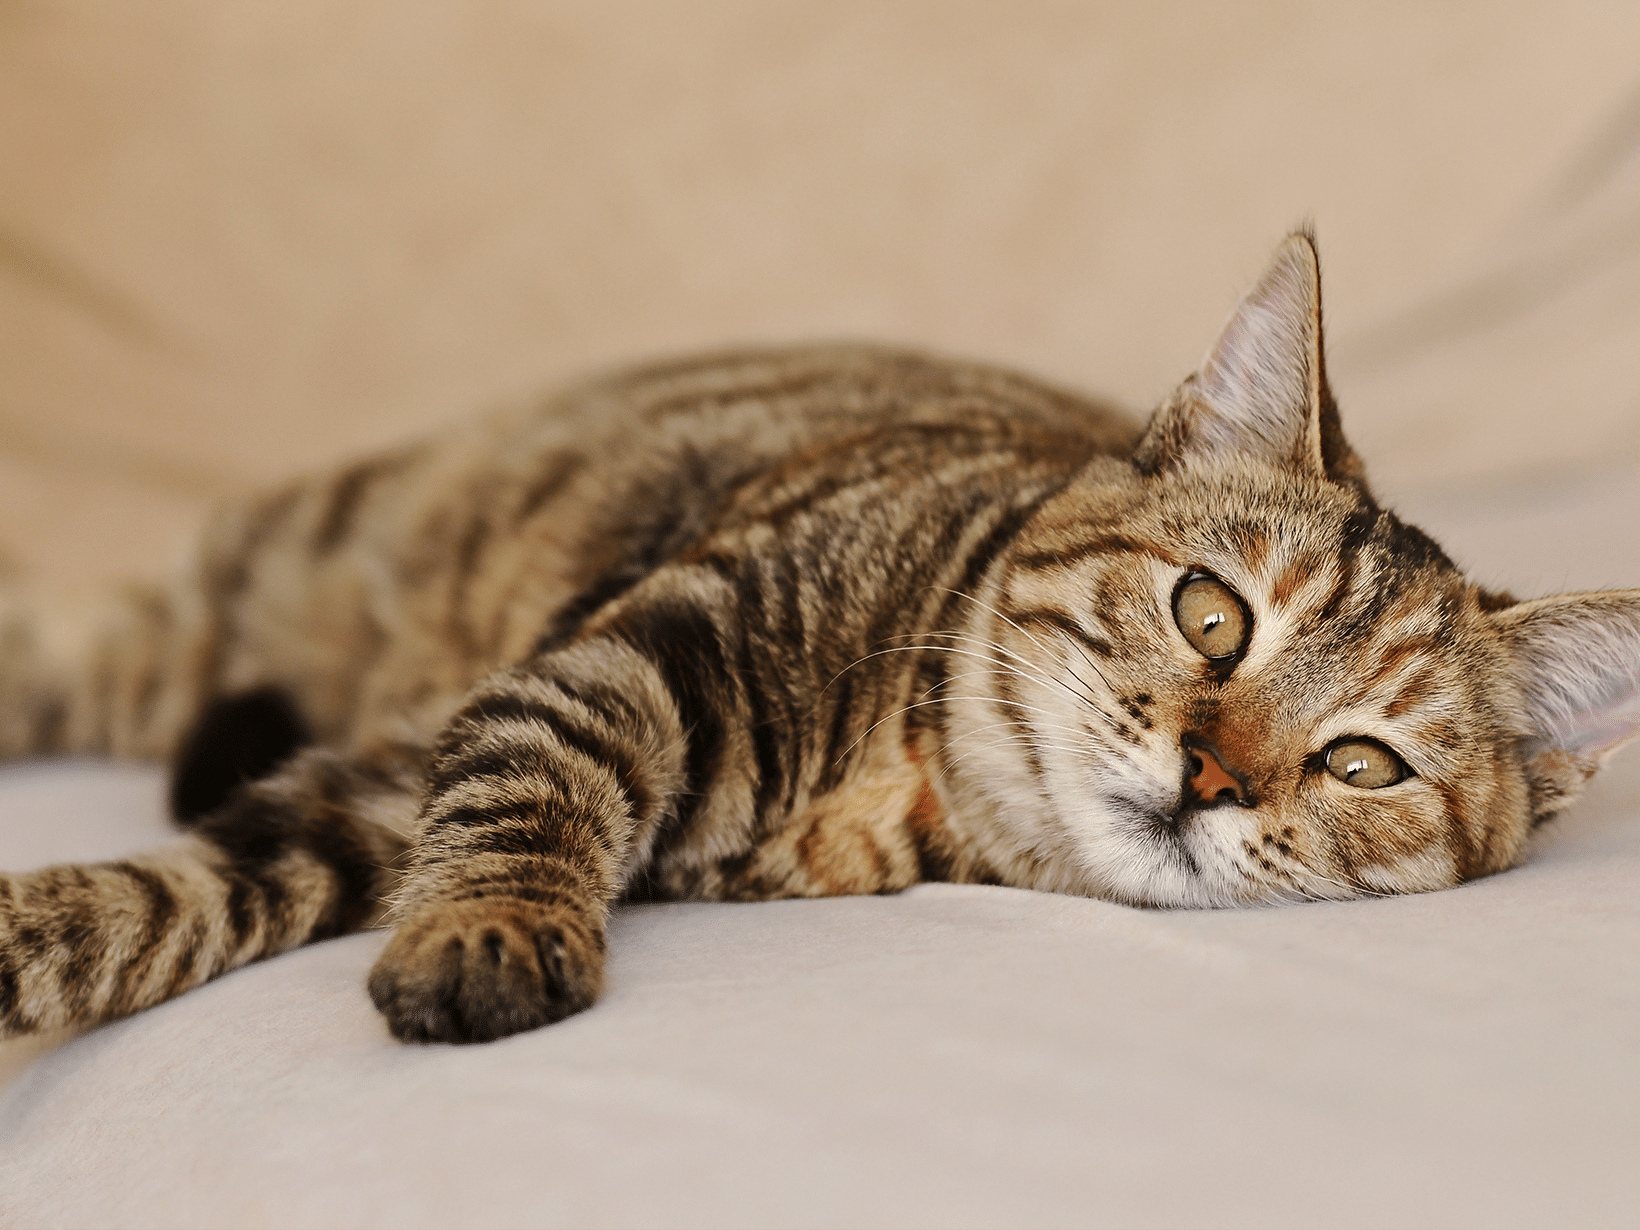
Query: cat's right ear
column 1578, row 657
column 1261, row 394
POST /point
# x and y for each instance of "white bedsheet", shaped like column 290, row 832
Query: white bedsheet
column 952, row 1056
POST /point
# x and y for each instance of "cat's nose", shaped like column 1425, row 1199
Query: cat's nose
column 1207, row 777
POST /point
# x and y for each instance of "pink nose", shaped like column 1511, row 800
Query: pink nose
column 1209, row 780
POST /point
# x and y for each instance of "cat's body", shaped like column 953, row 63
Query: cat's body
column 805, row 622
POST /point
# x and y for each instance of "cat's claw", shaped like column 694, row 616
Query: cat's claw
column 473, row 971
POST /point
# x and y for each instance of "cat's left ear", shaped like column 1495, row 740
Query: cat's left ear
column 1261, row 393
column 1579, row 661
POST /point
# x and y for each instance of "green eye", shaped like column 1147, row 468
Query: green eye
column 1212, row 618
column 1365, row 763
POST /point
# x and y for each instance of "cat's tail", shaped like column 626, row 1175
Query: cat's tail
column 116, row 673
column 304, row 854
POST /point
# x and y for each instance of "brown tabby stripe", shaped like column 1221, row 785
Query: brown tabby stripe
column 467, row 555
column 1103, row 544
column 289, row 860
column 683, row 643
column 692, row 401
column 552, row 478
column 1062, row 623
column 229, row 571
column 348, row 491
column 1014, row 712
column 1293, row 578
column 545, row 775
column 1461, row 842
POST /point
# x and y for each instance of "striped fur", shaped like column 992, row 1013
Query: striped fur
column 790, row 623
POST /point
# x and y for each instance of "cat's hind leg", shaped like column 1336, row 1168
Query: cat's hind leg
column 304, row 854
column 114, row 672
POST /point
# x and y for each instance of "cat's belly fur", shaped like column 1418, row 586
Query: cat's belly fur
column 886, row 827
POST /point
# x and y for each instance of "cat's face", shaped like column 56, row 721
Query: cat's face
column 1259, row 689
column 1224, row 675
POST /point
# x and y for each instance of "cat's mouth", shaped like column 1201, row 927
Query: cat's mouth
column 1160, row 830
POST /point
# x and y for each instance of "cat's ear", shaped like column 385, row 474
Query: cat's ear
column 1579, row 661
column 1261, row 393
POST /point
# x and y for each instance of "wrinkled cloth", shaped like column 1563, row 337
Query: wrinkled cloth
column 954, row 1055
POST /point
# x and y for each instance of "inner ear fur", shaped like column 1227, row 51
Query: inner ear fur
column 1579, row 661
column 1261, row 393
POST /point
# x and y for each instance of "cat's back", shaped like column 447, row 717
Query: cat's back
column 463, row 547
column 660, row 448
column 622, row 469
column 644, row 459
column 771, row 402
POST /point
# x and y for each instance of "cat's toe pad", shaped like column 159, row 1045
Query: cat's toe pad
column 471, row 971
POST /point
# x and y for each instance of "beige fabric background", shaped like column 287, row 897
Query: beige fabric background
column 238, row 238
column 241, row 238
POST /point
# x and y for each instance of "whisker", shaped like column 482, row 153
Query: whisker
column 986, row 606
column 919, row 704
column 878, row 653
column 1091, row 697
column 1005, row 739
column 1087, row 697
column 1360, row 889
column 1067, row 747
column 993, row 662
column 1292, row 879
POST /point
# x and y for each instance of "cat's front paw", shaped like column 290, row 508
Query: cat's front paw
column 471, row 971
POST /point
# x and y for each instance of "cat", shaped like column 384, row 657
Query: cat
column 797, row 622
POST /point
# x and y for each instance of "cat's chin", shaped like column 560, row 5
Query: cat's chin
column 1140, row 856
column 1147, row 856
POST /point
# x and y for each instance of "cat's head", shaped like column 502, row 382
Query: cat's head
column 1223, row 673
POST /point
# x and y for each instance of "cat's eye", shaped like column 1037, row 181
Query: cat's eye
column 1365, row 763
column 1213, row 619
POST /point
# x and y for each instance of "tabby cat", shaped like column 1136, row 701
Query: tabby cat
column 797, row 623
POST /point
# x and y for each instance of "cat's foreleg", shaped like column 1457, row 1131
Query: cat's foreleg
column 544, row 792
column 305, row 854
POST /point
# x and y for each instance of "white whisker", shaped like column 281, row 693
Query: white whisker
column 1087, row 697
column 986, row 606
column 919, row 704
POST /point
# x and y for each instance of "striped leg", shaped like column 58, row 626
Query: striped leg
column 299, row 856
column 545, row 791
